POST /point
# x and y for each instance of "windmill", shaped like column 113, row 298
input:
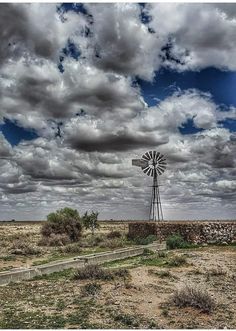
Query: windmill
column 153, row 164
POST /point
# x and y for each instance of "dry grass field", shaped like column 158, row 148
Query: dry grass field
column 20, row 244
column 137, row 292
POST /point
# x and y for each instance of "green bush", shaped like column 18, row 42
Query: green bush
column 90, row 221
column 63, row 222
column 145, row 241
column 176, row 241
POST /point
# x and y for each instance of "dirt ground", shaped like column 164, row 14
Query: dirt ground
column 143, row 300
column 211, row 268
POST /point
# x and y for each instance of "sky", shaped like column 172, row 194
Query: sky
column 85, row 88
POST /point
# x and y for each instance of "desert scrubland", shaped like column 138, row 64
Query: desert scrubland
column 178, row 288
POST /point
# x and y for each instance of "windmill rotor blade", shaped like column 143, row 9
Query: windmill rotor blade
column 154, row 155
column 162, row 168
column 152, row 172
column 161, row 157
column 144, row 157
column 162, row 162
column 145, row 168
column 157, row 155
column 159, row 172
column 148, row 156
column 149, row 171
column 163, row 165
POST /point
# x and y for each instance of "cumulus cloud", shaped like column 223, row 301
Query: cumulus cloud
column 35, row 30
column 196, row 36
column 122, row 42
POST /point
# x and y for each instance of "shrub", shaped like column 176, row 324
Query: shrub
column 113, row 234
column 115, row 243
column 177, row 261
column 71, row 248
column 218, row 271
column 20, row 247
column 127, row 320
column 145, row 241
column 176, row 241
column 93, row 271
column 90, row 289
column 63, row 222
column 54, row 240
column 162, row 254
column 147, row 251
column 190, row 296
column 90, row 221
column 122, row 273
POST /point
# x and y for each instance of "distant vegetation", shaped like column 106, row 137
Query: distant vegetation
column 65, row 226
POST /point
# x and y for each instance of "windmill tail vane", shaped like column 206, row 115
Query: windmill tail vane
column 153, row 164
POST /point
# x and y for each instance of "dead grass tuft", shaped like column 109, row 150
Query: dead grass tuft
column 192, row 296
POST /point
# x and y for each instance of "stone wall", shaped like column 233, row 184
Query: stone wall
column 192, row 231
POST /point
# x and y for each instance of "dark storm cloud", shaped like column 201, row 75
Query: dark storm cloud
column 19, row 188
column 17, row 34
column 120, row 141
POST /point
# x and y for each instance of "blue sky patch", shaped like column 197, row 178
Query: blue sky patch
column 221, row 85
column 189, row 128
column 15, row 134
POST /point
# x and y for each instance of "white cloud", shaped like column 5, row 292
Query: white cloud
column 202, row 35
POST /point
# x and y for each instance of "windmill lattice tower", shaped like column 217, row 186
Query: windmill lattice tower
column 153, row 164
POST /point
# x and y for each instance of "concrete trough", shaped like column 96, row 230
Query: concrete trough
column 77, row 262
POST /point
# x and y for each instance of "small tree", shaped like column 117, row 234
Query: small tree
column 90, row 221
column 63, row 222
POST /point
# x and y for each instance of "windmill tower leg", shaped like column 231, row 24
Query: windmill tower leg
column 156, row 213
column 159, row 204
